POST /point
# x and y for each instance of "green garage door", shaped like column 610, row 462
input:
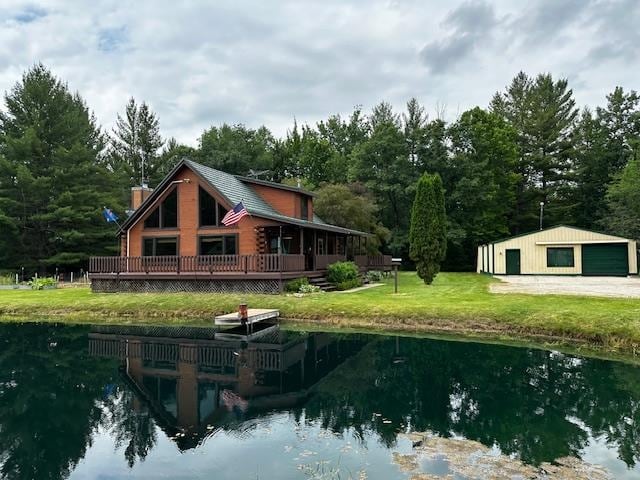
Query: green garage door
column 605, row 259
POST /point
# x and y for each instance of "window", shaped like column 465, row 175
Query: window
column 218, row 245
column 560, row 257
column 304, row 207
column 153, row 220
column 169, row 211
column 165, row 215
column 211, row 212
column 207, row 209
column 152, row 247
column 164, row 391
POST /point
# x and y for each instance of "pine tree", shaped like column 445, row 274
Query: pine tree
column 428, row 232
column 543, row 113
column 135, row 145
column 53, row 183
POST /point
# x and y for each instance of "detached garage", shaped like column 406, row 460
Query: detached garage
column 560, row 250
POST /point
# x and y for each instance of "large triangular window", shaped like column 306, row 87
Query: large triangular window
column 211, row 211
column 164, row 215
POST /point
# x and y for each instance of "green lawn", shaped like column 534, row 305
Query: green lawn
column 457, row 302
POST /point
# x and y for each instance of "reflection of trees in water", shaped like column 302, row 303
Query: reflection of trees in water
column 536, row 404
column 53, row 398
column 132, row 426
column 50, row 392
column 533, row 403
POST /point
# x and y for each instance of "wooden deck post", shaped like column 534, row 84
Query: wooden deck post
column 301, row 233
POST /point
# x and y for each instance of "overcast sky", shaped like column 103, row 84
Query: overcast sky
column 266, row 62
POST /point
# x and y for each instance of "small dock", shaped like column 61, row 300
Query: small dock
column 254, row 315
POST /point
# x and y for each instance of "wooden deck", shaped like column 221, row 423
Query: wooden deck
column 226, row 267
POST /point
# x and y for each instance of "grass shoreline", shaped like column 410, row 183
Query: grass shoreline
column 457, row 303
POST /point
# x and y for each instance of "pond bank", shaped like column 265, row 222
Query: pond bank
column 456, row 303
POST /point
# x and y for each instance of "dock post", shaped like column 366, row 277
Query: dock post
column 243, row 313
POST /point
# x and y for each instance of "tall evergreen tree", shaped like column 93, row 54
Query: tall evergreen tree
column 135, row 145
column 428, row 232
column 543, row 113
column 53, row 184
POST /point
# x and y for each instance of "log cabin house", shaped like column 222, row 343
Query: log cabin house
column 175, row 240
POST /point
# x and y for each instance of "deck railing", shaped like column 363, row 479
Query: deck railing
column 373, row 262
column 323, row 261
column 270, row 263
column 256, row 263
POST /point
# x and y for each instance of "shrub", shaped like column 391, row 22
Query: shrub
column 308, row 288
column 374, row 276
column 42, row 283
column 343, row 275
column 295, row 284
column 348, row 284
column 342, row 271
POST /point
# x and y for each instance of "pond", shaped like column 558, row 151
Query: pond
column 154, row 402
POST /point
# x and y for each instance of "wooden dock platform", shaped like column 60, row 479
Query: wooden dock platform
column 254, row 315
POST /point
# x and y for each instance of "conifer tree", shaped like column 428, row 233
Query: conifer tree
column 428, row 232
column 52, row 182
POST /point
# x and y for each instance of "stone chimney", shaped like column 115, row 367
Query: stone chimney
column 139, row 195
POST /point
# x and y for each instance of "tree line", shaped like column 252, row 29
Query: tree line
column 531, row 144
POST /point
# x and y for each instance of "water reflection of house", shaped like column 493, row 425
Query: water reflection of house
column 191, row 379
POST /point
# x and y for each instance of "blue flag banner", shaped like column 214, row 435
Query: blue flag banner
column 109, row 216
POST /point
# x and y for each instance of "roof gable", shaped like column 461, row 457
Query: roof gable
column 604, row 236
column 233, row 189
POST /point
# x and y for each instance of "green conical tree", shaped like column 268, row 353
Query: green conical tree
column 428, row 232
column 53, row 184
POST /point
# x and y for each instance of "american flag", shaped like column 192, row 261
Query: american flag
column 234, row 215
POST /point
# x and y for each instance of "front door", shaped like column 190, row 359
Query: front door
column 513, row 262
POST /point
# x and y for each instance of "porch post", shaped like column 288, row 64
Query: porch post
column 280, row 256
column 301, row 233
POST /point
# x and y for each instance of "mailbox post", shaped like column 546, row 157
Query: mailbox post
column 395, row 262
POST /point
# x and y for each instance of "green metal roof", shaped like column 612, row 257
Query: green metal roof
column 235, row 189
column 280, row 186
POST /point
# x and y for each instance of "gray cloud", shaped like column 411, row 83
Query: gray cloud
column 617, row 31
column 547, row 20
column 29, row 14
column 470, row 24
column 204, row 63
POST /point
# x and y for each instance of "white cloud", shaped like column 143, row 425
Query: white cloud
column 203, row 63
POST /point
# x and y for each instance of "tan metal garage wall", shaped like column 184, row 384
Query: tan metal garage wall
column 633, row 257
column 485, row 261
column 533, row 256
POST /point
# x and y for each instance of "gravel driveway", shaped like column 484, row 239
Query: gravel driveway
column 626, row 287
